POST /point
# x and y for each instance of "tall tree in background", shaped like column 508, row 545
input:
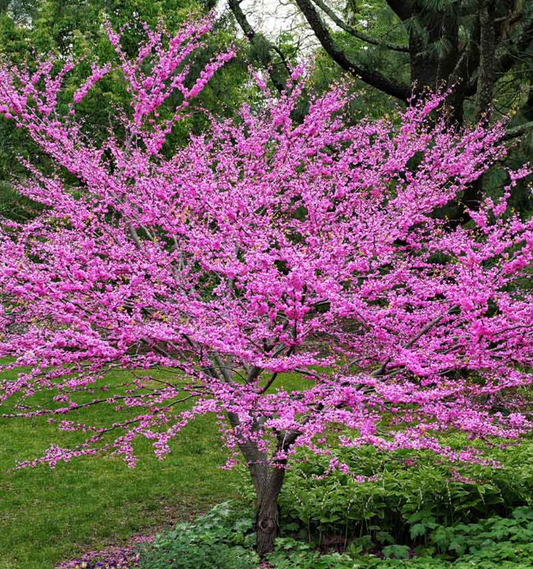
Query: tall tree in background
column 21, row 11
column 479, row 47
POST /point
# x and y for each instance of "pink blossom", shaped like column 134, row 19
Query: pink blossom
column 262, row 247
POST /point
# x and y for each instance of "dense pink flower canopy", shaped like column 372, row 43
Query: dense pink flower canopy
column 262, row 247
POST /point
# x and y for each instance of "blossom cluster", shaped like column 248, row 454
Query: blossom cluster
column 264, row 246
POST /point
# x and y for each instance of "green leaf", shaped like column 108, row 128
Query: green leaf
column 417, row 530
column 396, row 551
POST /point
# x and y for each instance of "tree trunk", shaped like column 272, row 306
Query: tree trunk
column 268, row 509
column 424, row 61
column 267, row 481
column 487, row 51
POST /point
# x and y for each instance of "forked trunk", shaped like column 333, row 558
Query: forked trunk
column 267, row 481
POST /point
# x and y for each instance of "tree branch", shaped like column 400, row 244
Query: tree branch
column 370, row 77
column 517, row 131
column 359, row 35
column 277, row 79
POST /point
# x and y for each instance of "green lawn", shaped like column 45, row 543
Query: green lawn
column 48, row 515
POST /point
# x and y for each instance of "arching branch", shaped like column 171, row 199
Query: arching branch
column 277, row 78
column 519, row 130
column 373, row 78
column 355, row 33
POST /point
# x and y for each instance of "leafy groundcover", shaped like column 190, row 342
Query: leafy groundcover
column 223, row 539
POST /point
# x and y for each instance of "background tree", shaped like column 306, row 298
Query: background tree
column 481, row 49
column 33, row 30
column 264, row 245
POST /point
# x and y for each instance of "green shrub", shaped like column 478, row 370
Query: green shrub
column 492, row 543
column 221, row 539
column 493, row 539
column 412, row 494
column 293, row 554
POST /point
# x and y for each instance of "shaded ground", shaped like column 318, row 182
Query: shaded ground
column 123, row 557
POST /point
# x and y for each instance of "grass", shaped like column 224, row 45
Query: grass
column 49, row 515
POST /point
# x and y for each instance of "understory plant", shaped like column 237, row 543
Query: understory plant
column 264, row 246
column 220, row 539
column 223, row 538
column 399, row 497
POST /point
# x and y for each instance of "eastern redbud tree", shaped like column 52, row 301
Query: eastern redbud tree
column 264, row 247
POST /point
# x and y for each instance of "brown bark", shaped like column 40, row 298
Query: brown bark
column 267, row 480
column 487, row 51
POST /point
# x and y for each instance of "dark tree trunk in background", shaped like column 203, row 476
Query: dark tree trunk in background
column 496, row 38
column 487, row 57
column 424, row 62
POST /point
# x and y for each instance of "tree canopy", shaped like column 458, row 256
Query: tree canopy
column 263, row 245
